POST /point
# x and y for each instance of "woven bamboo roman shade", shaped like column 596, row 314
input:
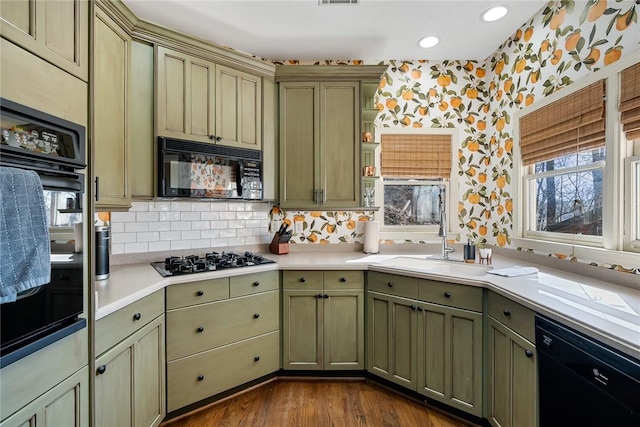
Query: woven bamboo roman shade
column 571, row 124
column 415, row 156
column 630, row 101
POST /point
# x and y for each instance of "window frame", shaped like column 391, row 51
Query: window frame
column 615, row 215
column 427, row 234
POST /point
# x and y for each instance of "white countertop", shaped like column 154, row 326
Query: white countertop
column 605, row 311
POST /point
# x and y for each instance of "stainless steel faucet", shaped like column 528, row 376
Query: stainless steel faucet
column 442, row 232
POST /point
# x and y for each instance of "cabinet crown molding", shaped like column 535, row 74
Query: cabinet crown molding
column 292, row 73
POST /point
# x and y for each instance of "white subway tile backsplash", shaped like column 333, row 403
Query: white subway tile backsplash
column 189, row 216
column 148, row 216
column 180, row 225
column 170, row 235
column 152, row 236
column 200, row 225
column 176, row 225
column 210, row 234
column 160, row 226
column 190, row 235
column 159, row 206
column 210, row 216
column 135, row 227
column 227, row 215
column 170, row 216
column 123, row 216
column 139, row 207
column 131, row 248
column 177, row 245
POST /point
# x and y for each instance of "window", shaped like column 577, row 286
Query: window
column 415, row 184
column 579, row 170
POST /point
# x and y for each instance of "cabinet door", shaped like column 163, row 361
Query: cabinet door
column 112, row 46
column 114, row 387
column 512, row 378
column 142, row 141
column 343, row 330
column 185, row 96
column 450, row 356
column 149, row 375
column 299, row 136
column 340, row 144
column 302, row 330
column 64, row 405
column 56, row 31
column 392, row 338
column 238, row 108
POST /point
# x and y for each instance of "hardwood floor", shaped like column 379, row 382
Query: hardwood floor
column 317, row 403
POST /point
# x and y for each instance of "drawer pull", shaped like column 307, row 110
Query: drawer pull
column 256, row 283
column 200, row 293
column 447, row 294
column 200, row 329
column 319, row 296
column 137, row 316
column 390, row 284
column 506, row 312
column 302, row 280
column 419, row 308
column 101, row 369
column 255, row 316
column 343, row 279
column 414, row 308
column 200, row 377
column 325, row 296
column 255, row 359
column 528, row 353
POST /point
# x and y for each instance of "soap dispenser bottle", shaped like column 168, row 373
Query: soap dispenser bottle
column 469, row 252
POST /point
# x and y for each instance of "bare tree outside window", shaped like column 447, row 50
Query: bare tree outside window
column 412, row 202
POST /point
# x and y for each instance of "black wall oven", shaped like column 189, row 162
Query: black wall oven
column 54, row 148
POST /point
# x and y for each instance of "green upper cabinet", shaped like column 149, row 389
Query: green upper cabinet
column 110, row 81
column 238, row 108
column 319, row 144
column 57, row 31
column 198, row 100
column 185, row 94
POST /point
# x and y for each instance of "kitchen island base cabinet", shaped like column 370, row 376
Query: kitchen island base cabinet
column 323, row 320
column 65, row 405
column 203, row 375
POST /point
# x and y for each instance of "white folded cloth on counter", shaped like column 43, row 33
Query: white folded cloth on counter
column 514, row 271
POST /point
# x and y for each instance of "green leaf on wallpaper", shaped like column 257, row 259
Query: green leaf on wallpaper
column 313, row 223
column 617, row 43
column 610, row 26
column 577, row 66
column 599, row 42
column 592, row 34
column 580, row 44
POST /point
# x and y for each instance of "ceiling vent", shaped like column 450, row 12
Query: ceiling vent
column 323, row 2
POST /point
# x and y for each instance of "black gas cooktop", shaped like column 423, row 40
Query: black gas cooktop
column 213, row 261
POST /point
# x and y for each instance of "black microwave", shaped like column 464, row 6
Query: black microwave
column 208, row 171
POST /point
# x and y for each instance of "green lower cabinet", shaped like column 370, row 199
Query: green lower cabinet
column 450, row 356
column 392, row 338
column 512, row 381
column 323, row 320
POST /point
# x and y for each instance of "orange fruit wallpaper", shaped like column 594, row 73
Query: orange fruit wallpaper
column 566, row 41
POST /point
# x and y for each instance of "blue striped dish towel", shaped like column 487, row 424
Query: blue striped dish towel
column 25, row 249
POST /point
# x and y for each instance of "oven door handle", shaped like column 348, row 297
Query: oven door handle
column 239, row 176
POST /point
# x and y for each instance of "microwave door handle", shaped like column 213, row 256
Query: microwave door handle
column 239, row 175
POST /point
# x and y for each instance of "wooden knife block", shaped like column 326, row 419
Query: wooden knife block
column 278, row 248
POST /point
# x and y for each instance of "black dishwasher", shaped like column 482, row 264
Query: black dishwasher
column 583, row 382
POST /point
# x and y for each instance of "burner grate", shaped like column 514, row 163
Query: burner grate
column 211, row 261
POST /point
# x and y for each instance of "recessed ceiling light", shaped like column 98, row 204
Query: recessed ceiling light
column 493, row 14
column 428, row 41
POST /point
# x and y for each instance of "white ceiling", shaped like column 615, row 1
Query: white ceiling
column 371, row 31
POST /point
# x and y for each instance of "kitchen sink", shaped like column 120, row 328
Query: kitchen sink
column 437, row 266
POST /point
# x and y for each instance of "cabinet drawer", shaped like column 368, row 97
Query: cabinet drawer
column 206, row 374
column 513, row 315
column 297, row 279
column 336, row 280
column 453, row 295
column 117, row 326
column 201, row 292
column 393, row 284
column 253, row 283
column 205, row 326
